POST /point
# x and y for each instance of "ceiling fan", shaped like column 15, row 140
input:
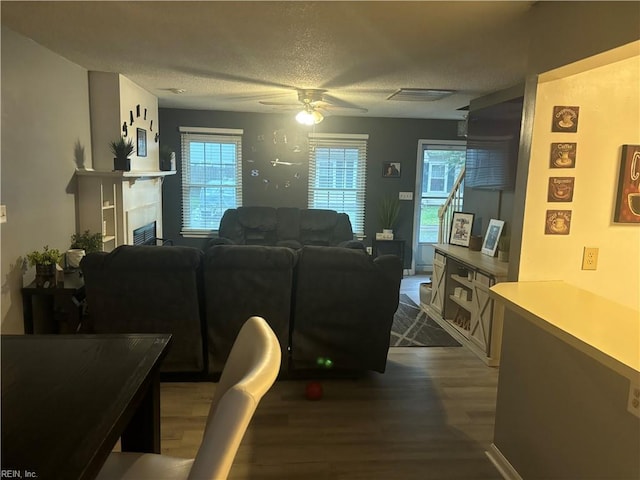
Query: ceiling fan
column 312, row 102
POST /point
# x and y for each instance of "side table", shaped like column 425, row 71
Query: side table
column 62, row 304
column 388, row 247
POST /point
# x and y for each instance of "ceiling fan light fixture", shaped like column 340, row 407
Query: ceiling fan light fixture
column 309, row 117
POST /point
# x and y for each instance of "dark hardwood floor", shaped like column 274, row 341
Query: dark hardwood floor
column 429, row 416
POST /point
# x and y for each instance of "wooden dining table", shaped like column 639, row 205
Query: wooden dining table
column 67, row 399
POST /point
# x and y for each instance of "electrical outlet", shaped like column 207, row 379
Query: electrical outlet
column 405, row 196
column 590, row 258
column 369, row 250
column 634, row 399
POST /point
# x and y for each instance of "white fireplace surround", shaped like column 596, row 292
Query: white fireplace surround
column 117, row 203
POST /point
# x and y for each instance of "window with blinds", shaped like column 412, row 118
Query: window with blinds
column 211, row 177
column 337, row 175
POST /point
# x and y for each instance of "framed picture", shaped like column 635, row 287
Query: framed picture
column 461, row 224
column 391, row 170
column 492, row 236
column 628, row 195
column 563, row 155
column 142, row 142
column 557, row 222
column 560, row 189
column 565, row 119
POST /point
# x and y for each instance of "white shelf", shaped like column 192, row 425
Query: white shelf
column 132, row 174
column 462, row 331
column 466, row 304
column 464, row 281
column 108, row 238
column 108, row 207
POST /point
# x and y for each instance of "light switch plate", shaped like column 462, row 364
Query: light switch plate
column 405, row 196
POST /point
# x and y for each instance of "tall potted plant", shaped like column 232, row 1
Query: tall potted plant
column 45, row 262
column 122, row 149
column 388, row 213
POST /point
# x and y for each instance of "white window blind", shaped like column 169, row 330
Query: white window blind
column 337, row 175
column 211, row 177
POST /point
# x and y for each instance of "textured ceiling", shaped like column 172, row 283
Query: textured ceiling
column 231, row 55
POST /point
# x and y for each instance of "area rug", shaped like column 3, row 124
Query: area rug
column 413, row 328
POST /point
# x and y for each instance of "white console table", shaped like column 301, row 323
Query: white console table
column 460, row 302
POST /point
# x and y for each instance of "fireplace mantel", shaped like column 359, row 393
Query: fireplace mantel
column 131, row 175
column 118, row 202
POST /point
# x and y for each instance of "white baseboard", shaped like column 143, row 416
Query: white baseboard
column 502, row 464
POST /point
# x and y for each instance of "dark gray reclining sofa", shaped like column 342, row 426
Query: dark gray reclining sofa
column 285, row 227
column 321, row 301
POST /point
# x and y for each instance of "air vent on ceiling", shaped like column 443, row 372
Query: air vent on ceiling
column 420, row 94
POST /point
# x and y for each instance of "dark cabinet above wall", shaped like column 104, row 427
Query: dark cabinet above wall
column 493, row 138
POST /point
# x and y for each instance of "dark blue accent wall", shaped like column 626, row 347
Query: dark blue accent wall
column 390, row 140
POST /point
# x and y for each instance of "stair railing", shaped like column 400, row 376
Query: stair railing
column 453, row 203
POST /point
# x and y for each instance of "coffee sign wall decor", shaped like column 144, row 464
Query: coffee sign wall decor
column 560, row 189
column 558, row 222
column 628, row 196
column 565, row 119
column 563, row 155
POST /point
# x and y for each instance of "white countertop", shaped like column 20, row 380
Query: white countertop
column 604, row 330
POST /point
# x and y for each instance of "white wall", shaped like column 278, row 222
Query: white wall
column 609, row 101
column 45, row 125
column 112, row 98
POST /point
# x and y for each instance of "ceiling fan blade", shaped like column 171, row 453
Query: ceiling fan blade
column 281, row 104
column 336, row 102
column 199, row 72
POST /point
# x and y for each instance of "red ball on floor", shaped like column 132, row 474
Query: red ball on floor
column 313, row 391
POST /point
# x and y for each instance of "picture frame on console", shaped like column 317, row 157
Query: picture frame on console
column 461, row 225
column 490, row 243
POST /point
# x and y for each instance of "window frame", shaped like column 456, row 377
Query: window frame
column 357, row 193
column 213, row 136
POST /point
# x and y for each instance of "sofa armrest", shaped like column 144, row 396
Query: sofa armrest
column 220, row 241
column 355, row 244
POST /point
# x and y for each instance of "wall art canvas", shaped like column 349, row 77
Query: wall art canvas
column 563, row 155
column 558, row 222
column 461, row 225
column 565, row 119
column 560, row 189
column 142, row 142
column 391, row 170
column 628, row 195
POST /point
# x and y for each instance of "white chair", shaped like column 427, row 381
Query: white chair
column 250, row 370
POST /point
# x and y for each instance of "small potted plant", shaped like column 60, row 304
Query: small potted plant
column 388, row 213
column 81, row 244
column 87, row 241
column 167, row 158
column 45, row 262
column 122, row 149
